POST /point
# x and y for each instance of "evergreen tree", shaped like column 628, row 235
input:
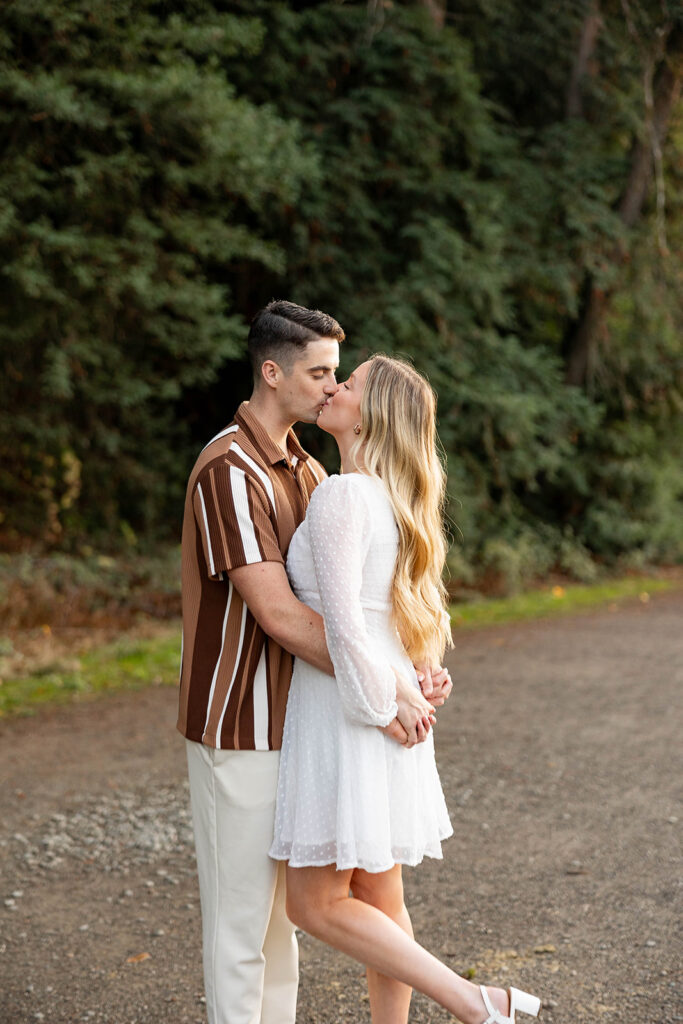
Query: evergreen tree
column 490, row 188
column 133, row 178
column 468, row 192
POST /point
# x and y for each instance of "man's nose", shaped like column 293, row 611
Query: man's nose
column 331, row 387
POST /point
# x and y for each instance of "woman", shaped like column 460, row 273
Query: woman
column 354, row 805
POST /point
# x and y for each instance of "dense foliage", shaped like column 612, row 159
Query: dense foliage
column 133, row 176
column 490, row 189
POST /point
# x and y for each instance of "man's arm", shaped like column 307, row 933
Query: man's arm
column 265, row 589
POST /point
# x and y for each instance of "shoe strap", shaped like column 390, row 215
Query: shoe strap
column 495, row 1016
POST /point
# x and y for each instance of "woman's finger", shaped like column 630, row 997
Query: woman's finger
column 396, row 732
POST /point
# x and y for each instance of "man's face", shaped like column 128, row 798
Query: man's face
column 311, row 379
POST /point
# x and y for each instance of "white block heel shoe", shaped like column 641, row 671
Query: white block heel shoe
column 522, row 1001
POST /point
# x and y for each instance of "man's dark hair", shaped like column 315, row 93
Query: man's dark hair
column 281, row 330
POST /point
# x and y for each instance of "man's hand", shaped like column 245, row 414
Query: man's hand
column 435, row 683
column 424, row 678
column 442, row 686
column 415, row 713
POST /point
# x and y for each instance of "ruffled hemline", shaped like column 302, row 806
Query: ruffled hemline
column 283, row 851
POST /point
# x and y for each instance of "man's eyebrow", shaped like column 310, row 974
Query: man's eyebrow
column 317, row 369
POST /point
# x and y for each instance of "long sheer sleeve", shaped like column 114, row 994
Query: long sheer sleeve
column 339, row 524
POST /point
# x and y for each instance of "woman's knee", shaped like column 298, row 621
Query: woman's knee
column 311, row 896
column 298, row 902
column 298, row 909
column 383, row 890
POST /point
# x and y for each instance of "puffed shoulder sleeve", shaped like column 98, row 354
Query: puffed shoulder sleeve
column 339, row 523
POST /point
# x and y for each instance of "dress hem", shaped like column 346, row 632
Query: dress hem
column 357, row 863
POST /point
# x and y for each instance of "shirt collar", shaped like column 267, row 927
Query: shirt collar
column 264, row 442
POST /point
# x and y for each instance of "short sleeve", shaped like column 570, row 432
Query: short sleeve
column 234, row 519
column 339, row 522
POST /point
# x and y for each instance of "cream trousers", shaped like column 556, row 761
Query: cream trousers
column 250, row 949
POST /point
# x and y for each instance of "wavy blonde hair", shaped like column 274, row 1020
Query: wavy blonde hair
column 398, row 444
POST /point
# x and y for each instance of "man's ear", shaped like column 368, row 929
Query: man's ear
column 271, row 373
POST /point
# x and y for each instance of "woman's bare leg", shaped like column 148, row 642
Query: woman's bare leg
column 318, row 901
column 389, row 998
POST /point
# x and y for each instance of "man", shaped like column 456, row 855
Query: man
column 246, row 495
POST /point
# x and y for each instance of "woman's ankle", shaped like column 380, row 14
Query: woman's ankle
column 499, row 1000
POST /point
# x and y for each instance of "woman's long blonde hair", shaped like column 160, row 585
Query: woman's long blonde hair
column 398, row 443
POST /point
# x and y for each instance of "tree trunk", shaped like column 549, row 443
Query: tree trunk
column 583, row 337
column 589, row 36
column 667, row 90
column 437, row 9
column 579, row 366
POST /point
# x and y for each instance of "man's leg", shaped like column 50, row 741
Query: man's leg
column 233, row 803
column 281, row 977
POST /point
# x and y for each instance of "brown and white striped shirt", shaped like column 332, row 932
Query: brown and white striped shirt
column 244, row 501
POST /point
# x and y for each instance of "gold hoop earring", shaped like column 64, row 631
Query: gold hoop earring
column 356, row 429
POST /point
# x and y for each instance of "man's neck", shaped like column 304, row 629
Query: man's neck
column 271, row 419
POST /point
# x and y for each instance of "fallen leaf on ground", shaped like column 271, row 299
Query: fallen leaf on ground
column 138, row 957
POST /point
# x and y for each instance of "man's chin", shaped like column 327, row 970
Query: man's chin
column 315, row 415
column 309, row 416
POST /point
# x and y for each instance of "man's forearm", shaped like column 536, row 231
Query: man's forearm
column 300, row 630
column 265, row 589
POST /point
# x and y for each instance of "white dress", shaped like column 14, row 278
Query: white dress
column 347, row 794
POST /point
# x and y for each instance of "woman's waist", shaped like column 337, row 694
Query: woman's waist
column 368, row 603
column 311, row 683
column 382, row 646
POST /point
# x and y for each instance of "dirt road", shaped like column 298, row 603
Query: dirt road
column 560, row 756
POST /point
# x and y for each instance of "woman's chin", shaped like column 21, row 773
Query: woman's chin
column 323, row 425
column 322, row 420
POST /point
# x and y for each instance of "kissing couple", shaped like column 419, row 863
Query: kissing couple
column 314, row 626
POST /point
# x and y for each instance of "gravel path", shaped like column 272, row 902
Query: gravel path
column 560, row 759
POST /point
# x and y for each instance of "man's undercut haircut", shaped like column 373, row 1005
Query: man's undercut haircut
column 281, row 330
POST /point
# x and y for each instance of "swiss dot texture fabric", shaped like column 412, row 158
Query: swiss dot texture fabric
column 347, row 794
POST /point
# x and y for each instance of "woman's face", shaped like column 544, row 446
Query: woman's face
column 341, row 411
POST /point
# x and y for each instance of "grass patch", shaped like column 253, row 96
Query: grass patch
column 122, row 665
column 536, row 604
column 131, row 664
